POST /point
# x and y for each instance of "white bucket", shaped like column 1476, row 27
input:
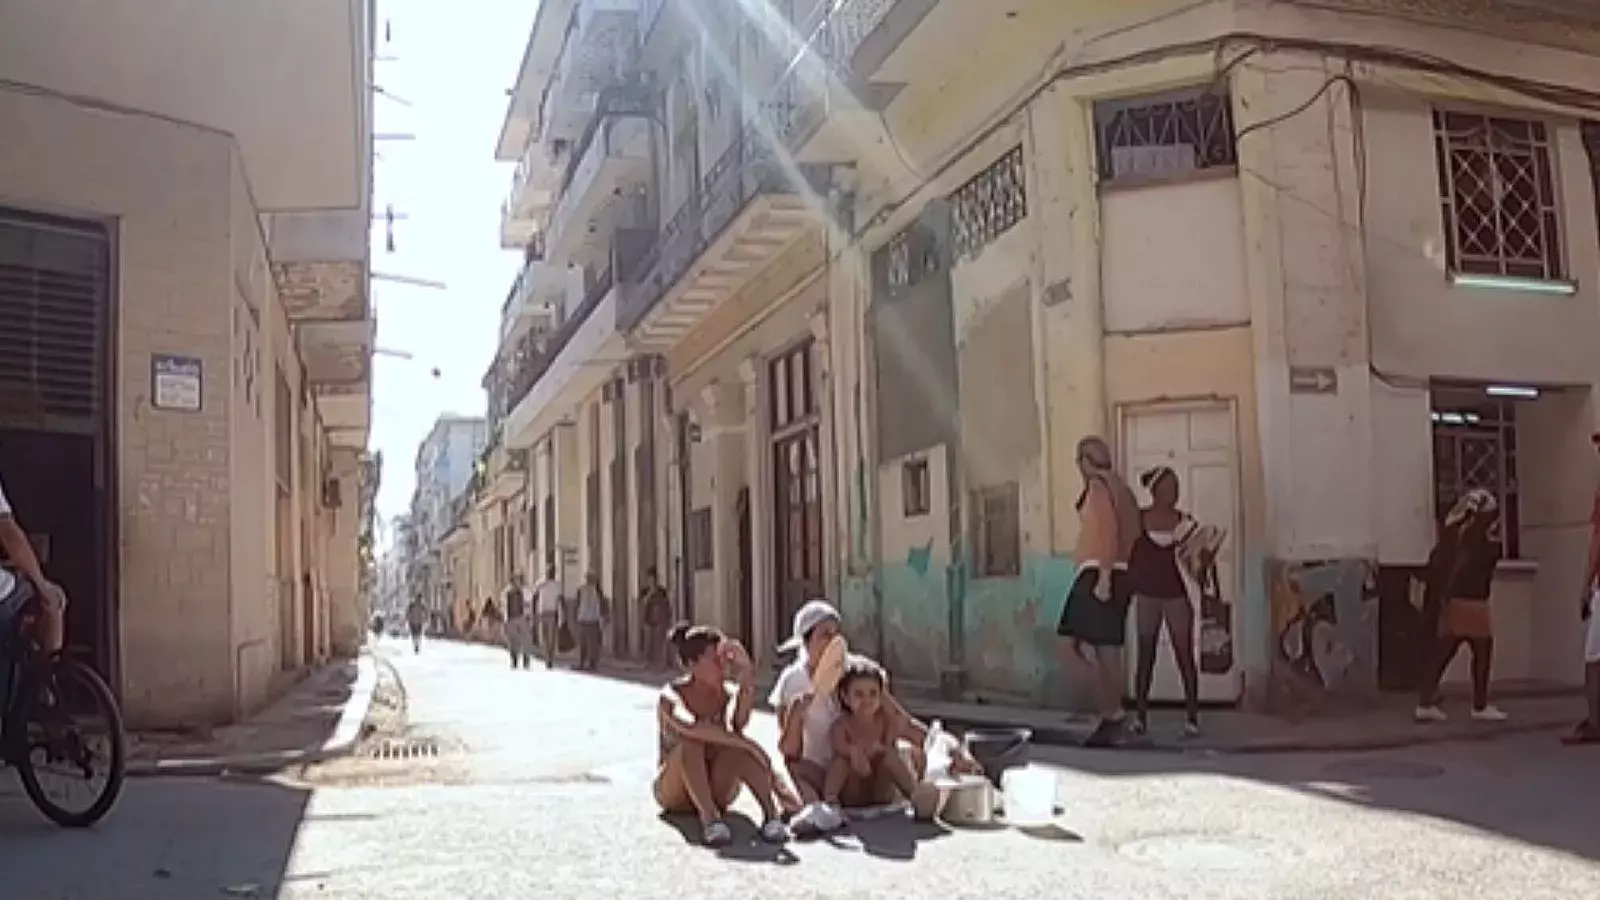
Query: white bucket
column 1030, row 796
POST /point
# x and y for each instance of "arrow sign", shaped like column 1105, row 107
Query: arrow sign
column 1313, row 380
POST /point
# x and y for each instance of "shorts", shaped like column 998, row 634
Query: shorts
column 1096, row 622
column 1468, row 619
column 1591, row 638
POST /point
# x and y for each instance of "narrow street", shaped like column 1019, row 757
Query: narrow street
column 541, row 789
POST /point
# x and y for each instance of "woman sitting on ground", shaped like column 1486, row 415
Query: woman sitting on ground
column 705, row 756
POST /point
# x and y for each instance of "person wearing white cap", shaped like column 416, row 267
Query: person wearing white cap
column 806, row 718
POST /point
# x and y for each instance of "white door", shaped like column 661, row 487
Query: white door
column 1199, row 443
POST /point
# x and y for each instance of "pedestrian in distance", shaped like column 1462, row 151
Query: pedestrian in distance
column 593, row 614
column 1460, row 576
column 519, row 624
column 547, row 610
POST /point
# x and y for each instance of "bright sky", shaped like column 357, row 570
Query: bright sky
column 455, row 62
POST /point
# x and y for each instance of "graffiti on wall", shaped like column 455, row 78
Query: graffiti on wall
column 1325, row 620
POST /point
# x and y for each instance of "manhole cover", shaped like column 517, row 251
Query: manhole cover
column 1383, row 768
column 1209, row 852
column 425, row 748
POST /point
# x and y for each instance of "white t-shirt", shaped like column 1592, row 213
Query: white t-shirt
column 548, row 594
column 8, row 581
column 815, row 743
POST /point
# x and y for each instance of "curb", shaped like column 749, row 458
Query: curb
column 341, row 743
column 1067, row 736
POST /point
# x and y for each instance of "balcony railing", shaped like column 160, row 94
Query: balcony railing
column 751, row 167
column 627, row 258
column 848, row 24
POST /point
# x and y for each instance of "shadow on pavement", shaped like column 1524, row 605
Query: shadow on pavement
column 1526, row 788
column 167, row 838
column 890, row 838
column 747, row 845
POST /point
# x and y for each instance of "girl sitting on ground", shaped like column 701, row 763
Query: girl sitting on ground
column 867, row 768
column 705, row 756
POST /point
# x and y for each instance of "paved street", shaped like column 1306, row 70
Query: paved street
column 541, row 791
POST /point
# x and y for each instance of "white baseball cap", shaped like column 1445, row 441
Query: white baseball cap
column 806, row 618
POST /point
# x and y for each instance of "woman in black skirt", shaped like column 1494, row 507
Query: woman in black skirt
column 1095, row 619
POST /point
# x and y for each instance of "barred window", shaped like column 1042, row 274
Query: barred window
column 1162, row 136
column 1497, row 193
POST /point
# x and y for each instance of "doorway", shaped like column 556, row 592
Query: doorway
column 57, row 413
column 795, row 426
column 747, row 612
column 1199, row 442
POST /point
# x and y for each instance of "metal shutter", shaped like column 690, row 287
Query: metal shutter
column 54, row 294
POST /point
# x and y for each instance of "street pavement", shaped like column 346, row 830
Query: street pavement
column 542, row 790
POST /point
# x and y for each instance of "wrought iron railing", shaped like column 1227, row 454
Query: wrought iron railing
column 749, row 168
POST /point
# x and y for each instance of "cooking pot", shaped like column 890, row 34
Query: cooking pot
column 969, row 800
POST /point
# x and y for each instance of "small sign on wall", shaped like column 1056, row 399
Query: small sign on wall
column 1313, row 380
column 175, row 382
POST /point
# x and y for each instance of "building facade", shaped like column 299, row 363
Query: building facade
column 856, row 283
column 185, row 335
column 445, row 466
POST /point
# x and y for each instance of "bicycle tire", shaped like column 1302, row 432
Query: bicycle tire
column 67, row 669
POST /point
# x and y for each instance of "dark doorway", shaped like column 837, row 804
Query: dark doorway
column 621, row 588
column 747, row 612
column 797, row 480
column 684, row 439
column 57, row 413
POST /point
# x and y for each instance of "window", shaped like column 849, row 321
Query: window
column 997, row 527
column 1497, row 193
column 1163, row 136
column 916, row 489
column 989, row 205
column 700, row 555
column 1475, row 446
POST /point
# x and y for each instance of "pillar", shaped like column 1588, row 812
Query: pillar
column 723, row 430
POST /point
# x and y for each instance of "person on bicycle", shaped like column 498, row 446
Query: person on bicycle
column 20, row 560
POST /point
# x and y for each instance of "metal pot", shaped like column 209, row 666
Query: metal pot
column 969, row 800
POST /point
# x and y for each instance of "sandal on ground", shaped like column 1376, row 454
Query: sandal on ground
column 774, row 832
column 1107, row 734
column 1138, row 727
column 1191, row 729
column 1584, row 733
column 717, row 834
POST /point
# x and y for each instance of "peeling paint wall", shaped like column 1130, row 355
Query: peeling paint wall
column 1325, row 632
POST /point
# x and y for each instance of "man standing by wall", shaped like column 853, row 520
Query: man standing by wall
column 1588, row 731
column 519, row 626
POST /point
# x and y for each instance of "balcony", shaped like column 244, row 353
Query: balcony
column 599, row 51
column 610, row 169
column 533, row 191
column 568, row 366
column 507, row 472
column 338, row 361
column 537, row 296
column 751, row 205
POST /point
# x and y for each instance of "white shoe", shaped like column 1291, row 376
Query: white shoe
column 1430, row 714
column 829, row 817
column 774, row 832
column 1489, row 713
column 805, row 822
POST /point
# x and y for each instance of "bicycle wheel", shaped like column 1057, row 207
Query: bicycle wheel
column 60, row 703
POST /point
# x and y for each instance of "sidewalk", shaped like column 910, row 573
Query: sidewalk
column 320, row 718
column 1385, row 726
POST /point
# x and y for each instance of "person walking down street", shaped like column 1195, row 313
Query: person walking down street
column 416, row 619
column 655, row 614
column 1588, row 731
column 1460, row 574
column 1161, row 597
column 1096, row 613
column 594, row 612
column 547, row 611
column 519, row 624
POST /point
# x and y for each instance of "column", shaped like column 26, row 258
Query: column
column 833, row 551
column 1301, row 214
column 723, row 431
column 753, row 377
